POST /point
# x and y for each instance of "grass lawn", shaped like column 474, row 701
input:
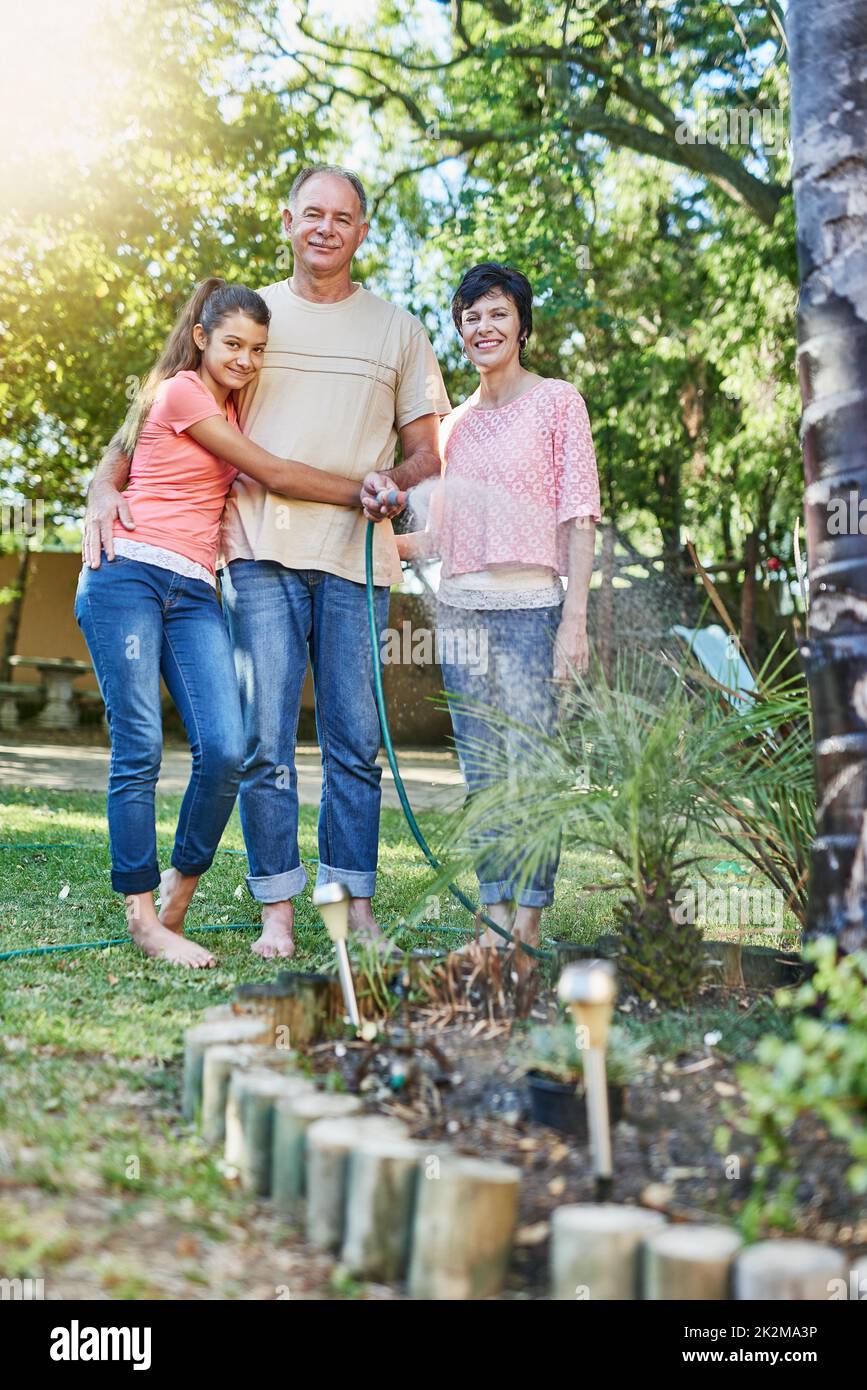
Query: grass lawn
column 104, row 1192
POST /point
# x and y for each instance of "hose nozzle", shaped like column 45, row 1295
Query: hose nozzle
column 391, row 497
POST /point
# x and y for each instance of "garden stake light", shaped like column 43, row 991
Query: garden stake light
column 332, row 900
column 588, row 990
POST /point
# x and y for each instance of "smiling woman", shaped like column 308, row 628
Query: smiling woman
column 517, row 508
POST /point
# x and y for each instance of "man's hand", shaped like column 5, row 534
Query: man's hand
column 572, row 651
column 374, row 491
column 104, row 504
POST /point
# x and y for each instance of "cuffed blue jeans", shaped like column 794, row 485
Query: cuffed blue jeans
column 277, row 617
column 141, row 622
column 502, row 659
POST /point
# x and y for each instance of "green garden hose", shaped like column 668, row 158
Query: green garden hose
column 401, row 792
column 387, row 744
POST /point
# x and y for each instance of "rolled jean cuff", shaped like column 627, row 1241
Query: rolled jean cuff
column 278, row 888
column 185, row 866
column 361, row 884
column 504, row 892
column 495, row 891
column 136, row 880
column 535, row 897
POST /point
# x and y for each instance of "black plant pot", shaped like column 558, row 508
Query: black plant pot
column 558, row 1104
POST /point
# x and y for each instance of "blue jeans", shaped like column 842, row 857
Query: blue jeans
column 276, row 617
column 502, row 659
column 141, row 622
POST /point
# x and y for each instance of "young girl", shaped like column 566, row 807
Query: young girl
column 153, row 610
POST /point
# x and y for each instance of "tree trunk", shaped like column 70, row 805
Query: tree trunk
column 13, row 617
column 748, row 596
column 605, row 625
column 828, row 40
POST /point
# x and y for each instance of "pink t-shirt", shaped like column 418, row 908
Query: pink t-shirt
column 512, row 477
column 177, row 489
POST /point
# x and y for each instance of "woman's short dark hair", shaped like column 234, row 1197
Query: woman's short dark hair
column 481, row 279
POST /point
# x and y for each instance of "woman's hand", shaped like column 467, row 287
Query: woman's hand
column 572, row 649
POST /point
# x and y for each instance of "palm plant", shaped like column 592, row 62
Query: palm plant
column 641, row 767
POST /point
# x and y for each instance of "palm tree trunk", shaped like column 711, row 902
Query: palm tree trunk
column 828, row 41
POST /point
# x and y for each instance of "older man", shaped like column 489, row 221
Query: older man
column 345, row 374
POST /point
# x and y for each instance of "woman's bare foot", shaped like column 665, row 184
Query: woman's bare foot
column 156, row 940
column 503, row 914
column 176, row 893
column 278, row 926
column 527, row 925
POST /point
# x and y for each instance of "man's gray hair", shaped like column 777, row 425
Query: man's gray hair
column 313, row 169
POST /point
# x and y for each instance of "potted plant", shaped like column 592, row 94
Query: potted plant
column 553, row 1064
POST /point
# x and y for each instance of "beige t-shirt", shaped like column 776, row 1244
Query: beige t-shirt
column 337, row 384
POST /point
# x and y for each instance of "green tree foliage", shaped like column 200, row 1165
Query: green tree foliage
column 663, row 291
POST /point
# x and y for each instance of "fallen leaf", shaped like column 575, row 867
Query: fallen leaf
column 725, row 1088
column 698, row 1066
column 558, row 1153
column 657, row 1195
column 532, row 1235
column 557, row 1186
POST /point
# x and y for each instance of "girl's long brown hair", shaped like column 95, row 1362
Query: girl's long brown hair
column 211, row 301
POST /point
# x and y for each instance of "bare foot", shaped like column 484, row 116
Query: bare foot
column 161, row 943
column 278, row 925
column 176, row 894
column 503, row 915
column 526, row 926
column 366, row 930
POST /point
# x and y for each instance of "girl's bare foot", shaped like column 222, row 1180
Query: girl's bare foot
column 176, row 893
column 278, row 926
column 157, row 941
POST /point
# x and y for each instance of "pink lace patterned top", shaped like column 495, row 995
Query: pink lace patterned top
column 512, row 476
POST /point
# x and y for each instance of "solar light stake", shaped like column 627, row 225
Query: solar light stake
column 332, row 900
column 588, row 990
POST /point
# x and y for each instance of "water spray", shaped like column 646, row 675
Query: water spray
column 588, row 990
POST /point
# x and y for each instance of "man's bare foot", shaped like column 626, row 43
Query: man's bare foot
column 365, row 929
column 176, row 893
column 157, row 941
column 278, row 926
